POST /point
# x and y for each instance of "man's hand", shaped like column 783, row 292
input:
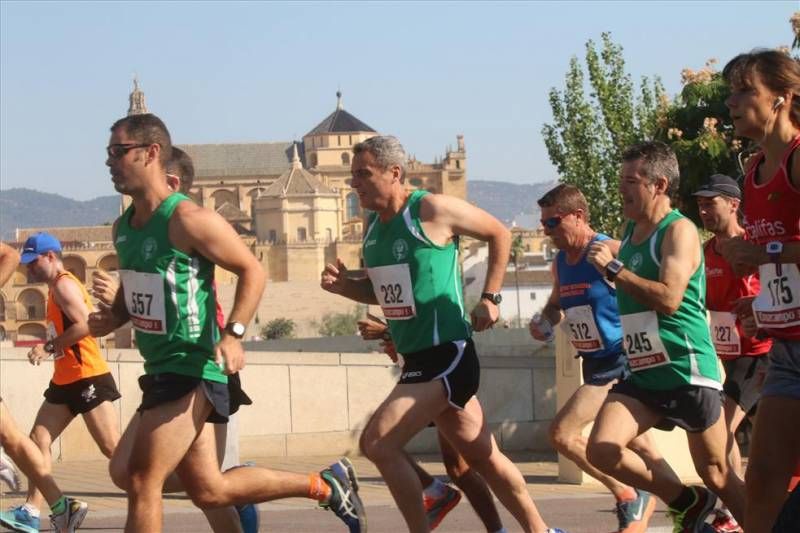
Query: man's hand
column 104, row 286
column 743, row 256
column 600, row 256
column 102, row 322
column 230, row 354
column 390, row 349
column 371, row 329
column 334, row 277
column 37, row 354
column 484, row 315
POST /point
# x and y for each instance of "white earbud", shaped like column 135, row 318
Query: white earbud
column 778, row 102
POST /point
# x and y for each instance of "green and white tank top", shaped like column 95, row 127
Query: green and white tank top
column 665, row 351
column 417, row 283
column 169, row 297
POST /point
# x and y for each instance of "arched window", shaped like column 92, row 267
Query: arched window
column 301, row 234
column 353, row 209
column 345, row 158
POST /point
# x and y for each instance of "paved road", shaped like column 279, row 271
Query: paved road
column 575, row 509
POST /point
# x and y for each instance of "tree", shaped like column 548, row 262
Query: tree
column 278, row 328
column 336, row 324
column 698, row 127
column 586, row 139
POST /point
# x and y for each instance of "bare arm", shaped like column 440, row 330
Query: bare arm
column 552, row 309
column 680, row 257
column 69, row 298
column 444, row 217
column 9, row 259
column 335, row 279
column 194, row 229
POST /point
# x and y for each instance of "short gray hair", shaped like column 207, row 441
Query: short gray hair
column 658, row 160
column 387, row 151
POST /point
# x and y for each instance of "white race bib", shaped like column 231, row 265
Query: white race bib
column 144, row 298
column 642, row 341
column 582, row 329
column 724, row 333
column 778, row 303
column 392, row 286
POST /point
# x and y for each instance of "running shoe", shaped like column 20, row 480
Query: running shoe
column 554, row 530
column 344, row 500
column 71, row 518
column 693, row 519
column 437, row 508
column 20, row 519
column 633, row 515
column 724, row 522
column 8, row 473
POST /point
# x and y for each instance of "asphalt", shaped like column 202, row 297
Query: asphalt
column 576, row 509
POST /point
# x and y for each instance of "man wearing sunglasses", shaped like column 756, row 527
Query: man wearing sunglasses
column 168, row 248
column 675, row 379
column 586, row 302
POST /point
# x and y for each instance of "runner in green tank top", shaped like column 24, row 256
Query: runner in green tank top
column 410, row 253
column 665, row 350
column 169, row 297
column 168, row 248
column 660, row 281
column 417, row 282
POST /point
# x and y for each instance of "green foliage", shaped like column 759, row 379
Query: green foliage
column 278, row 328
column 698, row 127
column 588, row 134
column 336, row 324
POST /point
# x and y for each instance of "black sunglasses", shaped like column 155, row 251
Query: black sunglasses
column 116, row 151
column 552, row 222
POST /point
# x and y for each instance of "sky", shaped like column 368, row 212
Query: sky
column 268, row 71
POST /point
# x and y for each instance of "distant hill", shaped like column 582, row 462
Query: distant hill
column 509, row 202
column 26, row 208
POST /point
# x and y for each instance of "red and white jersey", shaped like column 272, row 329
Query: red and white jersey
column 772, row 213
column 723, row 289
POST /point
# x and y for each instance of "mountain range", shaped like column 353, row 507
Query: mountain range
column 27, row 208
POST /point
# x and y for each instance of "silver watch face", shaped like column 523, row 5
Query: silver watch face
column 614, row 266
column 237, row 328
column 774, row 247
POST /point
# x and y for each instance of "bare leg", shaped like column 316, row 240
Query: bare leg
column 51, row 420
column 472, row 484
column 27, row 456
column 733, row 417
column 774, row 455
column 103, row 426
column 466, row 430
column 619, row 422
column 709, row 454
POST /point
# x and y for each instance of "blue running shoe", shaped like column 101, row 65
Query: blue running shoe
column 555, row 530
column 634, row 515
column 20, row 519
column 344, row 500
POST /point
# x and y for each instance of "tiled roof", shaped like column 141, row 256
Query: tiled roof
column 340, row 121
column 528, row 278
column 231, row 213
column 244, row 159
column 296, row 181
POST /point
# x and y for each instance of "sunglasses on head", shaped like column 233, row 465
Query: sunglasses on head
column 116, row 151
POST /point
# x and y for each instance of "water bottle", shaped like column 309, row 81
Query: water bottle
column 544, row 326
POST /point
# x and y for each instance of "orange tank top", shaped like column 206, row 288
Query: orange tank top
column 82, row 359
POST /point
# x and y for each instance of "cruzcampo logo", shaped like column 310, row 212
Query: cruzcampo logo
column 149, row 247
column 399, row 249
column 636, row 261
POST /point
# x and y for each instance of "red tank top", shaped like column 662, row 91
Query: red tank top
column 723, row 288
column 772, row 213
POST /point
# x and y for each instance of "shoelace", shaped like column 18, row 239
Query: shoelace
column 346, row 506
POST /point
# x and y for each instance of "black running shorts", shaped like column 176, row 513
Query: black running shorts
column 455, row 363
column 85, row 394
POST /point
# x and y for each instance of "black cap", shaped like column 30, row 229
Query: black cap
column 720, row 184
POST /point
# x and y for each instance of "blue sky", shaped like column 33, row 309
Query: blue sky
column 246, row 72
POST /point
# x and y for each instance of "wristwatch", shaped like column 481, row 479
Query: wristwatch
column 774, row 250
column 494, row 297
column 235, row 329
column 49, row 347
column 613, row 268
